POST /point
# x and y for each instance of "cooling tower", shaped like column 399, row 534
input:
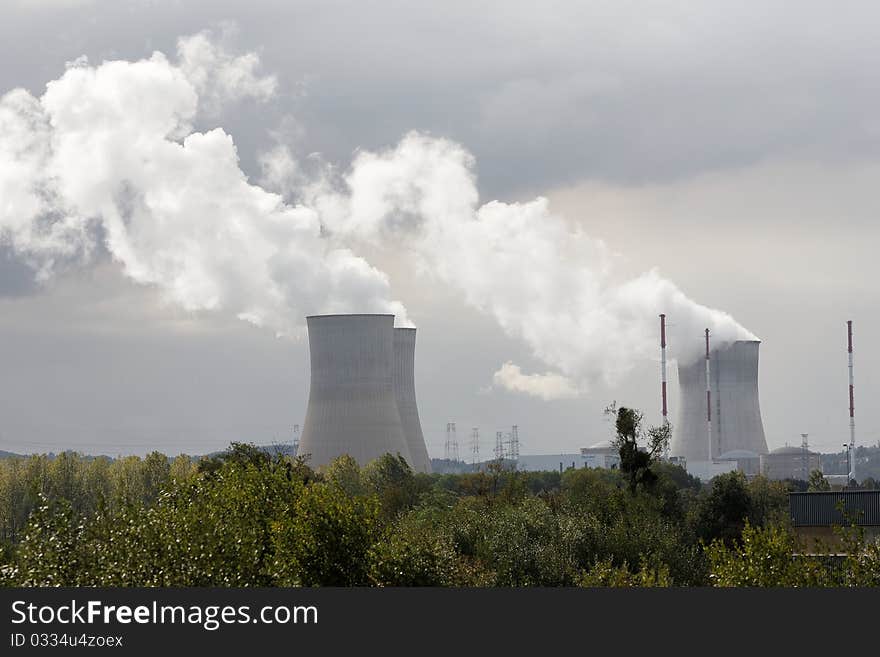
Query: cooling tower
column 351, row 408
column 403, row 376
column 736, row 411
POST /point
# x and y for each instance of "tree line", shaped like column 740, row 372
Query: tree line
column 251, row 518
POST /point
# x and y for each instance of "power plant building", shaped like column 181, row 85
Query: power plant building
column 357, row 378
column 601, row 455
column 790, row 462
column 548, row 462
column 735, row 412
column 746, row 462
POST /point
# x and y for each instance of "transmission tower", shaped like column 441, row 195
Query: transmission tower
column 499, row 446
column 451, row 452
column 295, row 439
column 514, row 442
column 475, row 447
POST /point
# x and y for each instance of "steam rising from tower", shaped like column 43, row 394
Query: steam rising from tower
column 107, row 162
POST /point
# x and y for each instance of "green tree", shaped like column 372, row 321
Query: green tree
column 419, row 549
column 768, row 556
column 13, row 499
column 605, row 574
column 97, row 484
column 817, row 482
column 326, row 538
column 345, row 473
column 182, row 469
column 156, row 474
column 127, row 481
column 724, row 512
column 768, row 501
column 392, row 480
column 52, row 551
column 636, row 460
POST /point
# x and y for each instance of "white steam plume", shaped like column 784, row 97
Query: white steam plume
column 107, row 156
column 545, row 282
column 546, row 386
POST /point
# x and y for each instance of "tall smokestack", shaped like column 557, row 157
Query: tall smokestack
column 663, row 366
column 352, row 409
column 405, row 397
column 732, row 398
column 708, row 398
column 852, row 416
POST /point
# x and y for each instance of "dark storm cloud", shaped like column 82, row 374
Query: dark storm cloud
column 542, row 94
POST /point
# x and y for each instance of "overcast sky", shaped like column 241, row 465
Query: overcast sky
column 734, row 147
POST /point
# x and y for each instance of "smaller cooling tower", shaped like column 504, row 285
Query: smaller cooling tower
column 403, row 376
column 352, row 408
column 736, row 411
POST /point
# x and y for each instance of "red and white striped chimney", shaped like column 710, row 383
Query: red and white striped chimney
column 663, row 365
column 708, row 399
column 852, row 420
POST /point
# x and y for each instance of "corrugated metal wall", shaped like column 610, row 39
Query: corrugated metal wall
column 835, row 508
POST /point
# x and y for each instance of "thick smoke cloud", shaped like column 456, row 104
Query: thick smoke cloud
column 108, row 159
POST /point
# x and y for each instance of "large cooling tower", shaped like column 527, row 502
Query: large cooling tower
column 403, row 376
column 736, row 411
column 352, row 409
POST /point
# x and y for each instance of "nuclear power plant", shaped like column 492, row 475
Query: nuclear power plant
column 724, row 416
column 362, row 398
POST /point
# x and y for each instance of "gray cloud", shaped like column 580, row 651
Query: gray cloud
column 542, row 95
column 16, row 278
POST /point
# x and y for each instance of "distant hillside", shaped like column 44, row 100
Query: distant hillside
column 7, row 455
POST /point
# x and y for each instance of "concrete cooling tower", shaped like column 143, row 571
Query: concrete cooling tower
column 403, row 376
column 736, row 411
column 352, row 407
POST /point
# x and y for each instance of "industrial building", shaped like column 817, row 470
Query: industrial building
column 357, row 377
column 749, row 463
column 814, row 516
column 731, row 424
column 548, row 462
column 601, row 455
column 790, row 462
